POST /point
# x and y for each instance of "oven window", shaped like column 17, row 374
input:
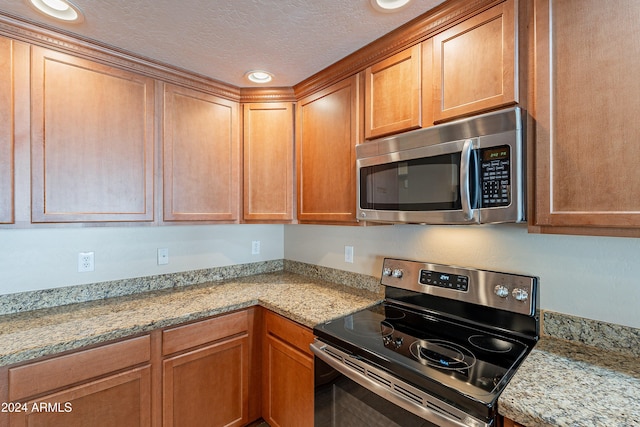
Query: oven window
column 341, row 402
column 425, row 184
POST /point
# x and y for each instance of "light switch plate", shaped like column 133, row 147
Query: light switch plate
column 348, row 254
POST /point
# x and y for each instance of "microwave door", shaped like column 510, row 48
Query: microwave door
column 417, row 189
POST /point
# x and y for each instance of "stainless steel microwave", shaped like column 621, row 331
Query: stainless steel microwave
column 470, row 171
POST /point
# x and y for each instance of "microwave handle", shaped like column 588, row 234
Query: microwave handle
column 465, row 179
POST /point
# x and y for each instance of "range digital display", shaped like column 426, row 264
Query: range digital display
column 444, row 280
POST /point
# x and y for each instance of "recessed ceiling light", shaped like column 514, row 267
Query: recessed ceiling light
column 259, row 76
column 63, row 10
column 387, row 6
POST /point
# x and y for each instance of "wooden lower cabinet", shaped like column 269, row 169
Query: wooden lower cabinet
column 506, row 422
column 228, row 370
column 287, row 385
column 102, row 387
column 208, row 385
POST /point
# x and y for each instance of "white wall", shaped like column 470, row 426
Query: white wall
column 33, row 259
column 592, row 277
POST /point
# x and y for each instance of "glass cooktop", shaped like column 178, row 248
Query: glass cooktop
column 433, row 353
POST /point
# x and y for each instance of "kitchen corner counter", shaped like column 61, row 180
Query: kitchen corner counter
column 567, row 383
column 309, row 301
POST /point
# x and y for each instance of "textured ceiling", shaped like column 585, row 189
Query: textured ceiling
column 293, row 39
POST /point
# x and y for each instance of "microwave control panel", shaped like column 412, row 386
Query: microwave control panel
column 495, row 177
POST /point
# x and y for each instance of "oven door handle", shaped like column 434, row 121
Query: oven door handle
column 434, row 410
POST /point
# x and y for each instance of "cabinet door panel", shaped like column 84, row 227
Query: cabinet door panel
column 327, row 129
column 201, row 156
column 288, row 389
column 392, row 93
column 208, row 387
column 122, row 400
column 92, row 141
column 474, row 63
column 268, row 161
column 585, row 98
column 6, row 131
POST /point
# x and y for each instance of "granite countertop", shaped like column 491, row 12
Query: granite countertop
column 568, row 383
column 581, row 373
column 306, row 300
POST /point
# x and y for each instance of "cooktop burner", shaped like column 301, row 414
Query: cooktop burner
column 442, row 354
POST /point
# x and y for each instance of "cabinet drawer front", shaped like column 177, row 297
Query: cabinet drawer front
column 290, row 332
column 36, row 378
column 195, row 334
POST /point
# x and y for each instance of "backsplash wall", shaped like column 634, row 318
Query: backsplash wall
column 592, row 277
column 34, row 259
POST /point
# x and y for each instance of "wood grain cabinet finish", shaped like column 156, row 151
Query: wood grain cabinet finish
column 287, row 386
column 474, row 64
column 201, row 156
column 208, row 384
column 6, row 131
column 587, row 179
column 328, row 128
column 393, row 94
column 92, row 130
column 506, row 422
column 268, row 162
column 103, row 387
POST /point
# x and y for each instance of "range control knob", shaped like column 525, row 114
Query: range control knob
column 397, row 273
column 386, row 271
column 398, row 342
column 520, row 294
column 501, row 291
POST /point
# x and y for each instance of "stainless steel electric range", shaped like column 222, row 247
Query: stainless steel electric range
column 438, row 351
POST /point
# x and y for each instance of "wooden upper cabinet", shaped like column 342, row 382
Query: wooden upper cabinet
column 474, row 64
column 587, row 179
column 393, row 94
column 201, row 147
column 327, row 132
column 6, row 131
column 268, row 161
column 92, row 134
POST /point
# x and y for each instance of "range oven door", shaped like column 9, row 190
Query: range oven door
column 350, row 392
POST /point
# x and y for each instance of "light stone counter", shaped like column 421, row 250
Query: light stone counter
column 309, row 301
column 582, row 373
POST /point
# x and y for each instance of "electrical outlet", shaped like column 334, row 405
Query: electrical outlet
column 255, row 247
column 348, row 254
column 163, row 256
column 85, row 262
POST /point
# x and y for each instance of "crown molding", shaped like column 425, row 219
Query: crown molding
column 267, row 94
column 45, row 36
